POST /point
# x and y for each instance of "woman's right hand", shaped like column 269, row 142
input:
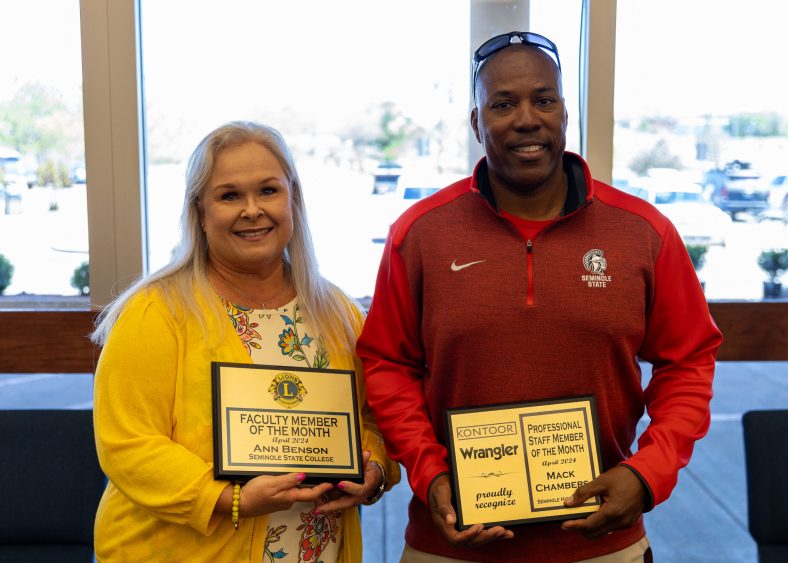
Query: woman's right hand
column 270, row 493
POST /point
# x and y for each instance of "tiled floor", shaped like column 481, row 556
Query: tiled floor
column 705, row 519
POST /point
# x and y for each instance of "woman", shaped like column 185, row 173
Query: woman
column 244, row 287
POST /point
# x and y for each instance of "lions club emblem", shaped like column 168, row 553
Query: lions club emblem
column 594, row 261
column 287, row 390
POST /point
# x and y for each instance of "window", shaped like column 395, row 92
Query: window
column 698, row 93
column 375, row 107
column 43, row 212
column 379, row 88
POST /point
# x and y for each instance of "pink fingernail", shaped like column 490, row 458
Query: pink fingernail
column 341, row 486
column 301, row 476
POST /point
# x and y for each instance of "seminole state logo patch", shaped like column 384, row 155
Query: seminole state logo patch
column 595, row 263
column 287, row 390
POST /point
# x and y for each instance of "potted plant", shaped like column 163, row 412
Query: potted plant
column 774, row 261
column 697, row 254
column 80, row 279
column 6, row 273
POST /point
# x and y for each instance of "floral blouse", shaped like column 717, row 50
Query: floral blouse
column 282, row 337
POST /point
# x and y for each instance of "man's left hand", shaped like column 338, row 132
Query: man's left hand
column 347, row 494
column 623, row 498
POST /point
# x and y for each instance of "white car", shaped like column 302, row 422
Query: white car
column 13, row 176
column 697, row 220
column 410, row 189
column 385, row 177
column 778, row 193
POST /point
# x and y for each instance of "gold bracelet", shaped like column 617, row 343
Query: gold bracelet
column 236, row 502
column 379, row 493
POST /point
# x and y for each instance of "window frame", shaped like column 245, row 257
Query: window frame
column 114, row 145
column 114, row 149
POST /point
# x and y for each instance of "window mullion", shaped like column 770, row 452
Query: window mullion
column 113, row 139
column 599, row 87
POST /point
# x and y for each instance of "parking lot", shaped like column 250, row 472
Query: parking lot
column 45, row 234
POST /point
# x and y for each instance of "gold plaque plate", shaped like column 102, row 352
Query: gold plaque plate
column 272, row 420
column 516, row 463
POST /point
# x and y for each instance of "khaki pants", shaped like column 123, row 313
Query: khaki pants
column 635, row 553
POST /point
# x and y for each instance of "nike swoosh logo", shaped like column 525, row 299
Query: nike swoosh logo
column 456, row 268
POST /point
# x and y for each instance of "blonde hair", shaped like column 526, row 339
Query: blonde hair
column 184, row 280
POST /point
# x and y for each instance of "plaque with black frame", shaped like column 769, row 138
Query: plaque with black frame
column 515, row 463
column 273, row 420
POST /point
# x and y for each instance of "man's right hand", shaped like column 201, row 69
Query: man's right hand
column 445, row 518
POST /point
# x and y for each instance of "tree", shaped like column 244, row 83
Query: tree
column 37, row 121
column 395, row 131
column 765, row 124
column 6, row 273
column 658, row 156
column 381, row 131
column 80, row 279
column 656, row 123
column 697, row 254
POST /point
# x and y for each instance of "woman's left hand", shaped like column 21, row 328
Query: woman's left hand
column 346, row 494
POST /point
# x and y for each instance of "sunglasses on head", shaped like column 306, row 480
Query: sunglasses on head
column 499, row 42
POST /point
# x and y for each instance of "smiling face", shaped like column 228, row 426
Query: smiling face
column 520, row 120
column 246, row 210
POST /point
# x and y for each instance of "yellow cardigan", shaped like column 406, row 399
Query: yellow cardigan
column 152, row 413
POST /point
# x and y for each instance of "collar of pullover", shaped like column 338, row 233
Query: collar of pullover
column 578, row 178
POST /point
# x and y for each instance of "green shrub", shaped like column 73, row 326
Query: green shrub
column 63, row 177
column 6, row 273
column 774, row 261
column 658, row 156
column 47, row 173
column 697, row 254
column 80, row 280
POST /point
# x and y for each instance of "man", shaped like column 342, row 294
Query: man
column 528, row 281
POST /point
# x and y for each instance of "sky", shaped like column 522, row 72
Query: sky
column 346, row 55
column 674, row 56
column 689, row 57
column 40, row 43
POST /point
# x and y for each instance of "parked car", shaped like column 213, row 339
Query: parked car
column 778, row 192
column 410, row 189
column 778, row 201
column 12, row 171
column 737, row 188
column 631, row 188
column 78, row 174
column 697, row 220
column 13, row 181
column 629, row 182
column 386, row 176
